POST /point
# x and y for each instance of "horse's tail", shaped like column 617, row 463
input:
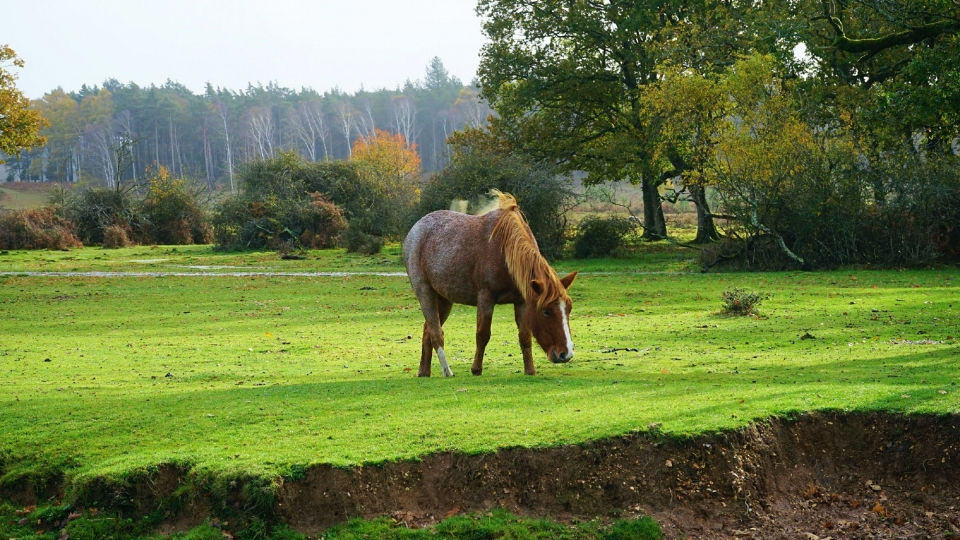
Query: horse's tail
column 505, row 201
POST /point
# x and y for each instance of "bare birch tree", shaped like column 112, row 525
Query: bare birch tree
column 99, row 137
column 472, row 110
column 260, row 131
column 405, row 118
column 346, row 116
column 124, row 124
column 309, row 125
column 223, row 114
column 365, row 123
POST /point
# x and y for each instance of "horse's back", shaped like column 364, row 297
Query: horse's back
column 452, row 254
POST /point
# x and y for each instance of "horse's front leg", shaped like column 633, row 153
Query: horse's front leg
column 525, row 340
column 485, row 307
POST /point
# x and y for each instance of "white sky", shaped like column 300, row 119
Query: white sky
column 297, row 43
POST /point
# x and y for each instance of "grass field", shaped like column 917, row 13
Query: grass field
column 20, row 195
column 255, row 375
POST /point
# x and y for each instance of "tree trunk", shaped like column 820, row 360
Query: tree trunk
column 706, row 229
column 654, row 225
column 173, row 156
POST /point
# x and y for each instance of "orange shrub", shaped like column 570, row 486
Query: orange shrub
column 36, row 228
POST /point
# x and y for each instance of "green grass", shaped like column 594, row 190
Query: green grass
column 46, row 522
column 271, row 373
column 193, row 259
column 659, row 257
column 18, row 197
column 498, row 524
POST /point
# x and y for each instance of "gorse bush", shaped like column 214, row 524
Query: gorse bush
column 116, row 236
column 171, row 212
column 357, row 241
column 599, row 236
column 93, row 210
column 737, row 301
column 36, row 228
column 323, row 222
column 276, row 209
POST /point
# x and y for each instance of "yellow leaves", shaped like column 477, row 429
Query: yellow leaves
column 387, row 154
column 161, row 185
column 19, row 123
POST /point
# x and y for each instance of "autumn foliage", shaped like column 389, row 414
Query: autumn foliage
column 387, row 155
column 172, row 212
column 19, row 124
column 36, row 228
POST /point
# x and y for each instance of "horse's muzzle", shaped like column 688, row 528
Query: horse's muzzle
column 561, row 358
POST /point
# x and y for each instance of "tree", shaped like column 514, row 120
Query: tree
column 63, row 135
column 690, row 108
column 567, row 79
column 387, row 155
column 389, row 173
column 19, row 124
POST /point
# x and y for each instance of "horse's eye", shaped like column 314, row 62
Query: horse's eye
column 548, row 313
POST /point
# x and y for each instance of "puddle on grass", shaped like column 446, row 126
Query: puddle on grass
column 205, row 267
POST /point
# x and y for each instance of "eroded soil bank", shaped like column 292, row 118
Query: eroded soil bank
column 819, row 475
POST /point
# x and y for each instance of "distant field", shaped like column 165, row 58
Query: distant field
column 19, row 195
column 254, row 375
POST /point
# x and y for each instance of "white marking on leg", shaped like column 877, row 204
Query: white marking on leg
column 444, row 366
column 566, row 327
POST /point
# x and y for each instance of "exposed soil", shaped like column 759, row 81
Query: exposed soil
column 821, row 475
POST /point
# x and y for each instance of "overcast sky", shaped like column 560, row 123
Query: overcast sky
column 297, row 43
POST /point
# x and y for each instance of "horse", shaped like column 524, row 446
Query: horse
column 453, row 258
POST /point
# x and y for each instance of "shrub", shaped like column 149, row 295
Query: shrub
column 600, row 236
column 115, row 236
column 323, row 222
column 272, row 223
column 357, row 241
column 172, row 212
column 36, row 228
column 286, row 200
column 240, row 223
column 95, row 209
column 737, row 301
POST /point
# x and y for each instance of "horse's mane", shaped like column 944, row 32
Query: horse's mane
column 524, row 261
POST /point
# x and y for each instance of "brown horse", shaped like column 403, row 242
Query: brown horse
column 483, row 261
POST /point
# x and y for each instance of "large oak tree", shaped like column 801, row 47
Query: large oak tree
column 19, row 124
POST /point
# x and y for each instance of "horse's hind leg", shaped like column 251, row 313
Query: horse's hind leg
column 444, row 307
column 435, row 309
column 426, row 352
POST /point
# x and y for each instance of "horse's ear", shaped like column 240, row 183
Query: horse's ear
column 568, row 279
column 537, row 287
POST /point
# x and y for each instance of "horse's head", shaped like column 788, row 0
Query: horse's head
column 547, row 314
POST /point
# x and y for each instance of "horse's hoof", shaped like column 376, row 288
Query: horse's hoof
column 476, row 372
column 423, row 374
column 448, row 373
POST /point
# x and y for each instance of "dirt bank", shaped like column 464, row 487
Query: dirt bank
column 821, row 475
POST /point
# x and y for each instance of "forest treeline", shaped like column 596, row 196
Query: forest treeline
column 116, row 132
